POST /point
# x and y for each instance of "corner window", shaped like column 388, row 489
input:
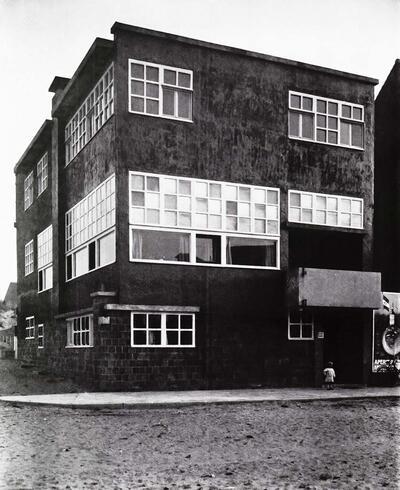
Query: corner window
column 42, row 174
column 300, row 325
column 80, row 331
column 328, row 121
column 162, row 330
column 45, row 259
column 158, row 90
column 30, row 327
column 40, row 330
column 29, row 258
column 28, row 191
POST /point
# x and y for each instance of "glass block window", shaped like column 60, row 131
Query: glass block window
column 80, row 331
column 203, row 205
column 96, row 109
column 29, row 258
column 28, row 191
column 326, row 120
column 162, row 330
column 30, row 327
column 325, row 209
column 40, row 331
column 158, row 90
column 42, row 174
column 300, row 325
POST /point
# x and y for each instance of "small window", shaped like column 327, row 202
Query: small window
column 80, row 331
column 300, row 325
column 208, row 249
column 42, row 175
column 40, row 330
column 30, row 327
column 28, row 191
column 45, row 259
column 29, row 258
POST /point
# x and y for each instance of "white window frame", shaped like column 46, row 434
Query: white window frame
column 42, row 174
column 28, row 191
column 314, row 209
column 78, row 320
column 29, row 327
column 45, row 259
column 301, row 323
column 29, row 258
column 40, row 335
column 339, row 117
column 161, row 84
column 164, row 329
column 91, row 116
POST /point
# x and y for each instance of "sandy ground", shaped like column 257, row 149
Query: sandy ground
column 343, row 444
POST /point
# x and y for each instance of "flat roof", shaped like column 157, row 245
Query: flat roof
column 229, row 49
column 44, row 132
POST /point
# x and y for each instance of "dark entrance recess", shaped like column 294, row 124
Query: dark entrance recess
column 343, row 345
column 325, row 249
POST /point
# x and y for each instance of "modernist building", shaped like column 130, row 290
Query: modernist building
column 195, row 215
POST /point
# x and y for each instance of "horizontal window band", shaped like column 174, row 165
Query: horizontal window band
column 152, row 308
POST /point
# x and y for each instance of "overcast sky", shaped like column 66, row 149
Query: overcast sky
column 43, row 38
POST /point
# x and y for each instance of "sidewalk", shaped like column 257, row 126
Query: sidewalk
column 145, row 399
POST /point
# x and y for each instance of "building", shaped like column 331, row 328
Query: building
column 196, row 215
column 8, row 344
column 10, row 299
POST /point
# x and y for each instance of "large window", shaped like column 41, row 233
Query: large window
column 45, row 259
column 325, row 209
column 42, row 174
column 162, row 330
column 80, row 331
column 29, row 258
column 158, row 90
column 28, row 191
column 325, row 120
column 30, row 327
column 300, row 325
column 90, row 231
column 97, row 108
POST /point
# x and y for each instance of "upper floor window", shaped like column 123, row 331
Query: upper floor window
column 97, row 108
column 90, row 231
column 30, row 327
column 42, row 174
column 325, row 209
column 29, row 258
column 325, row 120
column 158, row 90
column 45, row 259
column 28, row 190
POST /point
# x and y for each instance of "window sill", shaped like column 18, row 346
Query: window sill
column 79, row 346
column 305, row 140
column 195, row 264
column 160, row 116
column 313, row 226
column 163, row 346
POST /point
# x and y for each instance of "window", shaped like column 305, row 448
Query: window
column 300, row 325
column 40, row 330
column 30, row 327
column 325, row 209
column 28, row 191
column 45, row 259
column 162, row 330
column 327, row 121
column 250, row 251
column 89, row 231
column 158, row 90
column 29, row 258
column 42, row 174
column 80, row 331
column 97, row 108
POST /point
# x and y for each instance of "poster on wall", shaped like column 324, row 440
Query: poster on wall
column 386, row 341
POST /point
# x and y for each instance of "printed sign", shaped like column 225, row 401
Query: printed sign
column 387, row 332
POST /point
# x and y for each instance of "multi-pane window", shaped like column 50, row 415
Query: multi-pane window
column 42, row 176
column 97, row 108
column 199, row 221
column 325, row 209
column 28, row 190
column 89, row 231
column 162, row 330
column 29, row 258
column 30, row 327
column 159, row 90
column 40, row 335
column 300, row 325
column 80, row 331
column 325, row 120
column 45, row 259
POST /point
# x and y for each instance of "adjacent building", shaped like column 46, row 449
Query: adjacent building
column 198, row 216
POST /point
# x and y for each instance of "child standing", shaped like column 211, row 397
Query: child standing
column 329, row 376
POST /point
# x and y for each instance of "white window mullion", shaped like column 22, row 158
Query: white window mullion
column 192, row 252
column 163, row 329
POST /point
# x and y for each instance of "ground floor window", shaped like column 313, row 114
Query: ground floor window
column 80, row 331
column 162, row 330
column 40, row 330
column 30, row 327
column 300, row 325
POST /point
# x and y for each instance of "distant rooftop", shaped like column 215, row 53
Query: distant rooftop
column 11, row 295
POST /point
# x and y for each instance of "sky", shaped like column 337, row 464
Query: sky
column 40, row 39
